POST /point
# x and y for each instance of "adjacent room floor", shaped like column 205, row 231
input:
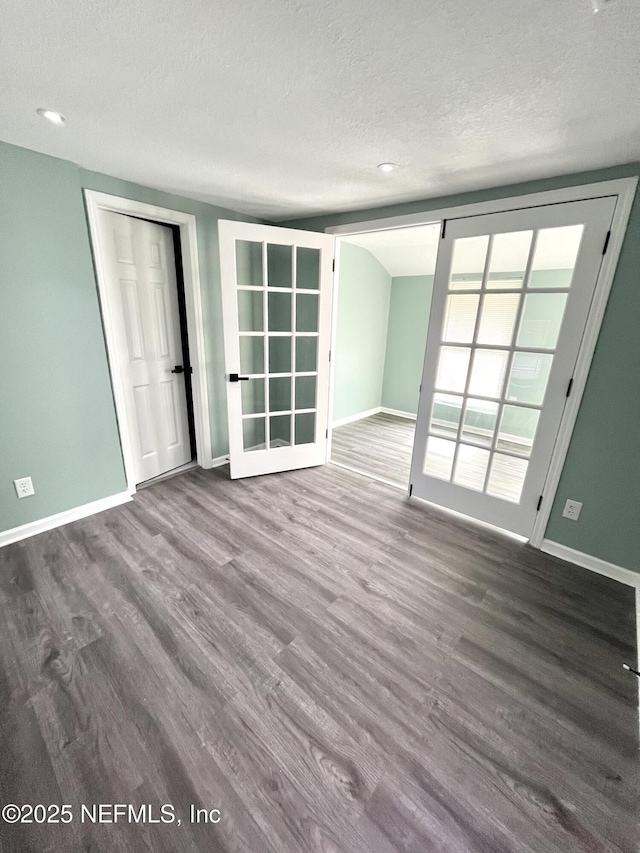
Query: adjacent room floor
column 330, row 666
column 380, row 445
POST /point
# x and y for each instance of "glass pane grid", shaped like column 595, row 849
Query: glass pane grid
column 278, row 306
column 507, row 297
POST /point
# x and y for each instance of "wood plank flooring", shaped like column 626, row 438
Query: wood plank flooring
column 380, row 445
column 333, row 668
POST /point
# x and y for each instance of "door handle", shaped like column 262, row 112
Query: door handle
column 233, row 377
column 178, row 369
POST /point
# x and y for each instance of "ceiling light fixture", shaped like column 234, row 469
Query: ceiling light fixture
column 52, row 116
column 599, row 5
column 387, row 167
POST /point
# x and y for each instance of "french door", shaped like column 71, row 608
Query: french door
column 276, row 300
column 511, row 298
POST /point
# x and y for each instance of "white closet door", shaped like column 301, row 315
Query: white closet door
column 143, row 308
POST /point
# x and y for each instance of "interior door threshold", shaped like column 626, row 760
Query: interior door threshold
column 174, row 472
column 371, row 476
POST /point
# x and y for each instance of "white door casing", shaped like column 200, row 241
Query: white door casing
column 276, row 299
column 143, row 306
column 456, row 471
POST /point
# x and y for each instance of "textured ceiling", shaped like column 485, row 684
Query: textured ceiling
column 284, row 108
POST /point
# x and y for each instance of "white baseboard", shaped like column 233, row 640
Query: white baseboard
column 594, row 564
column 61, row 518
column 358, row 417
column 378, row 409
column 398, row 413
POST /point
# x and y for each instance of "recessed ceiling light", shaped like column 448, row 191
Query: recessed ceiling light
column 52, row 116
column 387, row 167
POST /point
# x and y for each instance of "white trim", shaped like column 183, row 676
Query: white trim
column 579, row 192
column 594, row 564
column 333, row 344
column 358, row 417
column 399, row 414
column 168, row 475
column 625, row 190
column 61, row 518
column 186, row 222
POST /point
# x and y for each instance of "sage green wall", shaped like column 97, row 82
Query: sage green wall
column 406, row 340
column 602, row 468
column 57, row 417
column 361, row 332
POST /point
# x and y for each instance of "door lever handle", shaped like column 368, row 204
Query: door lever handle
column 233, row 377
column 178, row 369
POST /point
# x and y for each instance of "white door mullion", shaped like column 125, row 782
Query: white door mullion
column 294, row 264
column 265, row 308
column 472, row 355
column 511, row 348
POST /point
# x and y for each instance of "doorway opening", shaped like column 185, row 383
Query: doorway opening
column 517, row 296
column 384, row 289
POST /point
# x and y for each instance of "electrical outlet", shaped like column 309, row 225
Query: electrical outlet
column 572, row 510
column 24, row 487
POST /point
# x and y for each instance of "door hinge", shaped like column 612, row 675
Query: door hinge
column 569, row 386
column 333, row 265
column 444, row 228
column 329, row 355
column 410, row 489
column 539, row 503
column 327, row 434
column 606, row 243
column 420, row 388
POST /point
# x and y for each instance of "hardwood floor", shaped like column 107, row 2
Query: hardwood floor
column 380, row 445
column 332, row 667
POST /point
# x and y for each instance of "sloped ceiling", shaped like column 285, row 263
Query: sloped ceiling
column 402, row 251
column 283, row 108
